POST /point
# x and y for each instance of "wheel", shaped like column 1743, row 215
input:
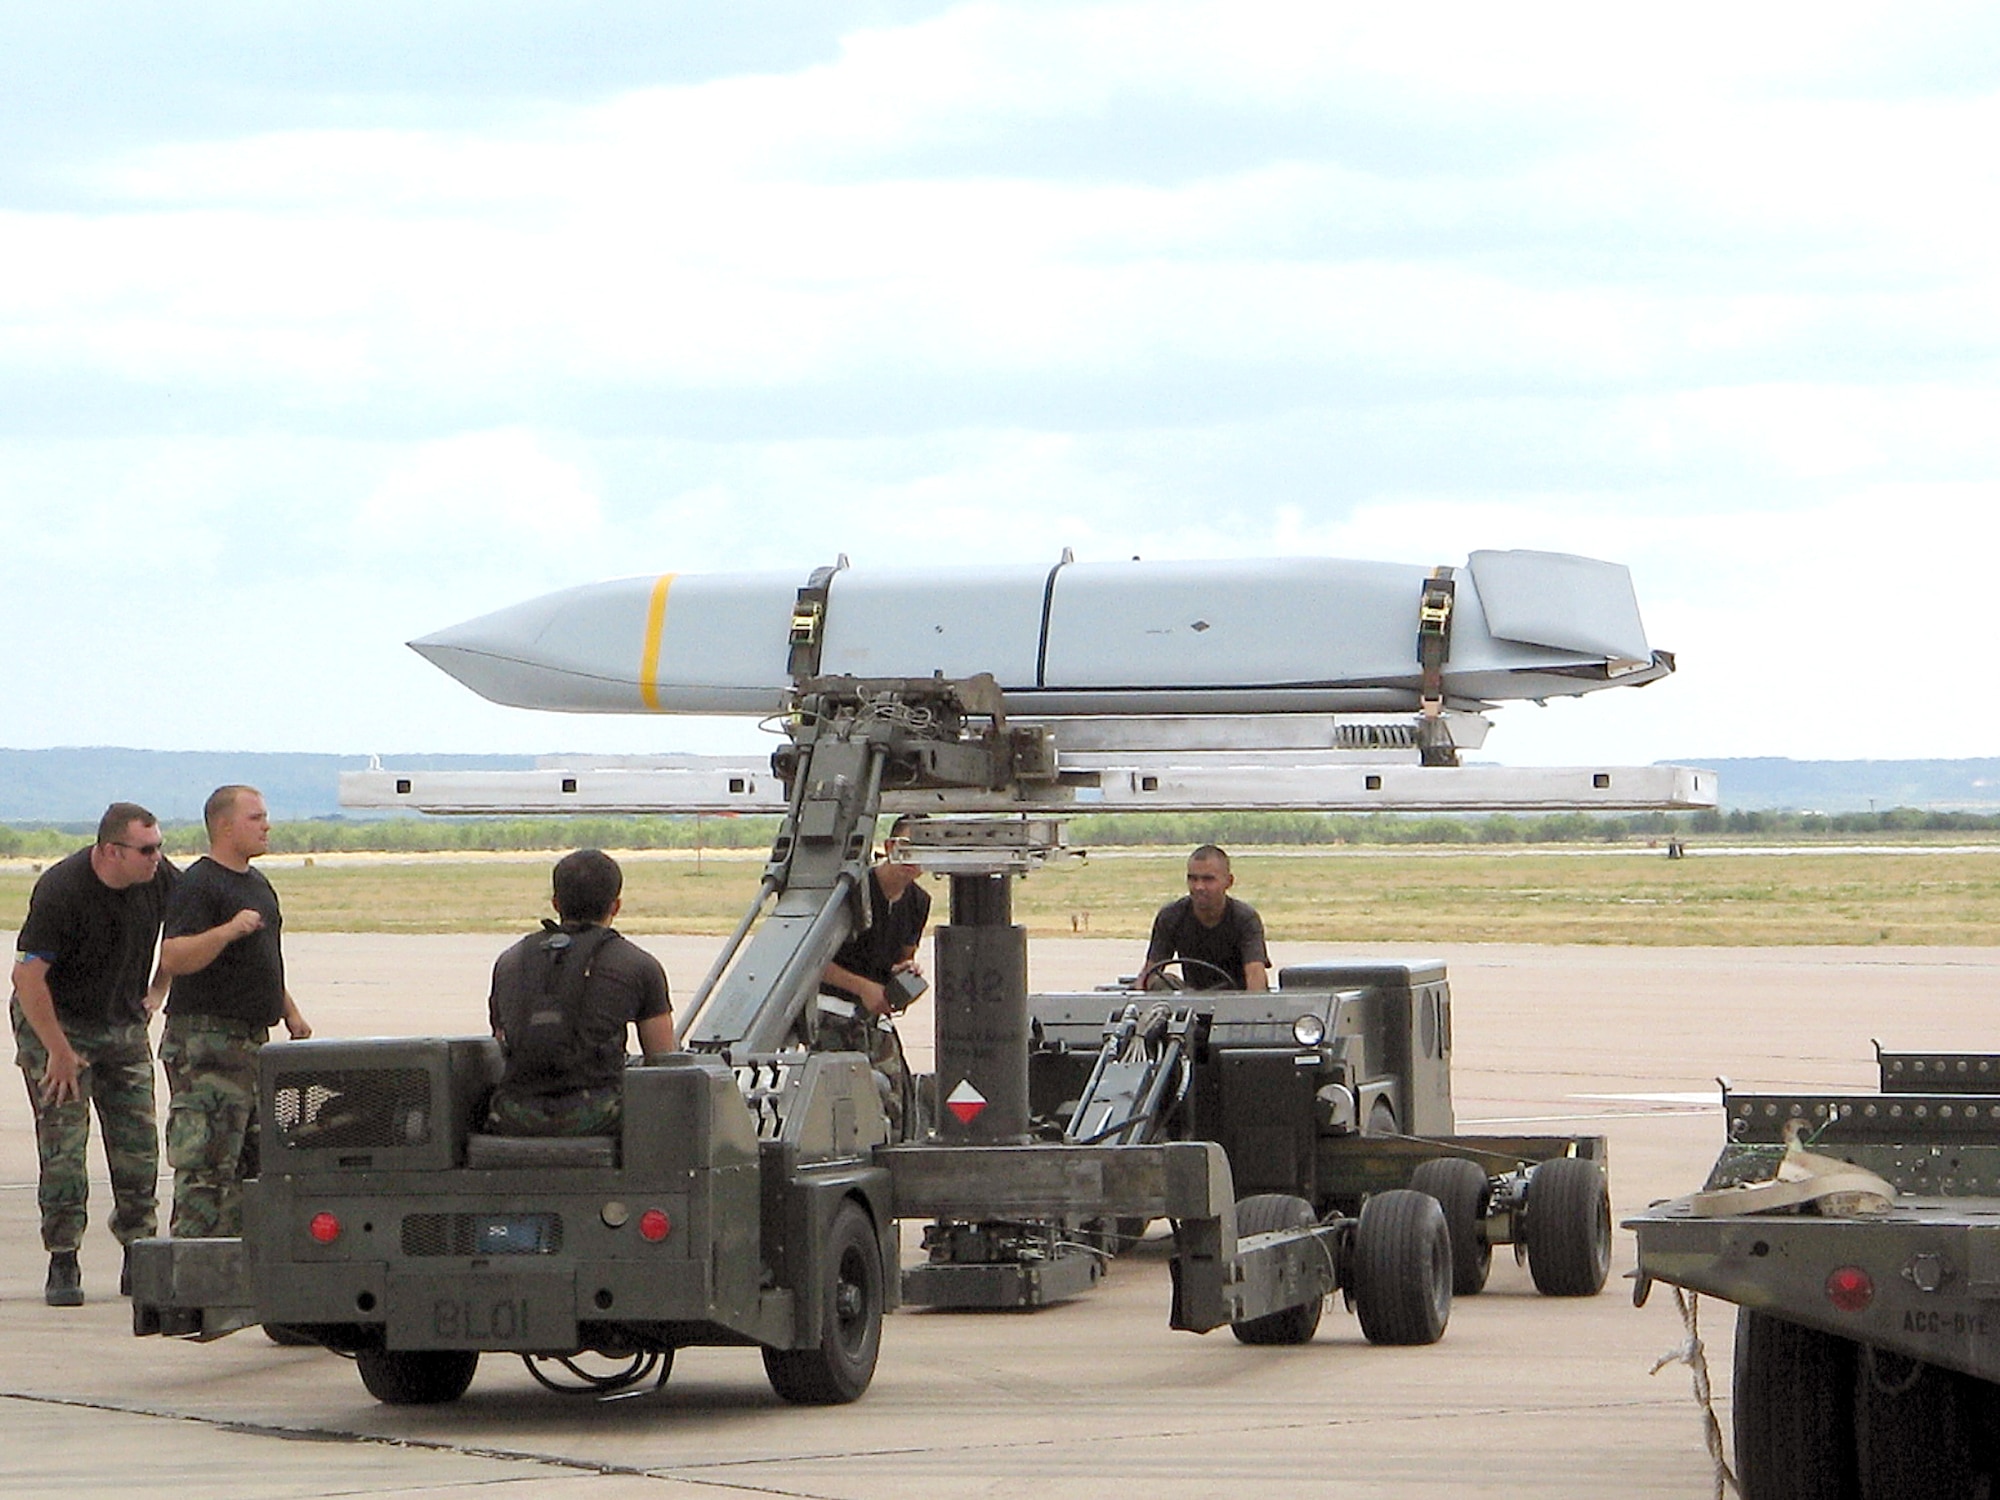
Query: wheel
column 1192, row 972
column 1461, row 1189
column 1793, row 1403
column 416, row 1377
column 1260, row 1215
column 1402, row 1269
column 839, row 1367
column 288, row 1338
column 1568, row 1228
column 1911, row 1434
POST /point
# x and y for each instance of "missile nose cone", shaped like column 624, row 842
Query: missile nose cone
column 548, row 652
column 618, row 647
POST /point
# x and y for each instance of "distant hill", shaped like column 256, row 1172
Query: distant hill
column 72, row 785
column 1774, row 784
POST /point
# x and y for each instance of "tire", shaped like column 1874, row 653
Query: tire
column 1911, row 1433
column 1793, row 1410
column 1569, row 1227
column 1293, row 1325
column 1461, row 1189
column 1402, row 1269
column 288, row 1338
column 839, row 1367
column 416, row 1377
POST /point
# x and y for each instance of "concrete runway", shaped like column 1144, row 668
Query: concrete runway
column 1525, row 1395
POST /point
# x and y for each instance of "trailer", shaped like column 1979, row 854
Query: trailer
column 1327, row 1090
column 1859, row 1237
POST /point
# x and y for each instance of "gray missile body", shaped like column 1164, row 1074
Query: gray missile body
column 1301, row 634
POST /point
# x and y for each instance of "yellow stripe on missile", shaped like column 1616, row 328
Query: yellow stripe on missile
column 656, row 625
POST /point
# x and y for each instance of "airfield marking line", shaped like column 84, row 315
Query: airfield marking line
column 381, row 1440
column 1665, row 1112
column 1102, row 1440
column 1690, row 1096
column 692, row 1472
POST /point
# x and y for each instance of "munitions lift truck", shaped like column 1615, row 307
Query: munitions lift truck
column 1331, row 1088
column 753, row 1194
column 1867, row 1358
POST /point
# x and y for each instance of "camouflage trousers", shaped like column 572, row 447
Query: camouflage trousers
column 879, row 1043
column 118, row 1083
column 580, row 1112
column 212, row 1142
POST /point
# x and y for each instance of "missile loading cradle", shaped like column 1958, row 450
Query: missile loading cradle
column 1296, row 683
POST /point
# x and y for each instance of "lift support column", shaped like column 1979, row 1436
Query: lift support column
column 982, row 1068
column 982, row 1016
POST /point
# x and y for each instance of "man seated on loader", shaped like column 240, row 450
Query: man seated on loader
column 560, row 1003
column 1216, row 940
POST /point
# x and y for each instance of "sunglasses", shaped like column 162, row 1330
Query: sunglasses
column 145, row 851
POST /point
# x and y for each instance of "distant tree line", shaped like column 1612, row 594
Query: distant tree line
column 1087, row 830
column 1249, row 829
column 436, row 835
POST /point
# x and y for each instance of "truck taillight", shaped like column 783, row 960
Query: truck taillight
column 1850, row 1288
column 324, row 1228
column 654, row 1225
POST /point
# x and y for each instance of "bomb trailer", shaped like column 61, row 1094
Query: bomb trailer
column 753, row 1196
column 1867, row 1356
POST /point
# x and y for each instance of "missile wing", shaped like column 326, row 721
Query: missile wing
column 1297, row 634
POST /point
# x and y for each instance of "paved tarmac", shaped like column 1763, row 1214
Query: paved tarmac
column 1525, row 1395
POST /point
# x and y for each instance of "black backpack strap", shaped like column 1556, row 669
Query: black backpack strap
column 571, row 962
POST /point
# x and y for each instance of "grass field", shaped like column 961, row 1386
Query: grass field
column 1473, row 895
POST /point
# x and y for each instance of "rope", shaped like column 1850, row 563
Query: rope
column 1692, row 1353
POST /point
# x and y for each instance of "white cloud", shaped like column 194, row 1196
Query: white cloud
column 1709, row 293
column 480, row 492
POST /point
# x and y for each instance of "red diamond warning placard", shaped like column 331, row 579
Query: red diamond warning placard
column 965, row 1101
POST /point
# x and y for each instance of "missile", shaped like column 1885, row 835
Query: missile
column 1282, row 635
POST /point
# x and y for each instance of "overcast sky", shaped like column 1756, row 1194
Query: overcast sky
column 326, row 325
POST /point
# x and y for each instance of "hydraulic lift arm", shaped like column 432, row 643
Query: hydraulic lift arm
column 851, row 738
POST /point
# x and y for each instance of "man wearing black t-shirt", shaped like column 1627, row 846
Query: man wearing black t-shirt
column 561, row 1001
column 856, row 1009
column 81, row 1006
column 221, row 947
column 1222, row 938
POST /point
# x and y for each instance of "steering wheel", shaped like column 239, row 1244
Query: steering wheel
column 1160, row 979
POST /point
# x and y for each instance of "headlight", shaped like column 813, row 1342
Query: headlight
column 1309, row 1030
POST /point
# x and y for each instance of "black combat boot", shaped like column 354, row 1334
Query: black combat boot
column 125, row 1274
column 65, row 1288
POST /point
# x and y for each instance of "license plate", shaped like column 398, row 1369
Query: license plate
column 476, row 1310
column 516, row 1234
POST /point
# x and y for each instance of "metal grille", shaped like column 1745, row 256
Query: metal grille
column 482, row 1234
column 353, row 1108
